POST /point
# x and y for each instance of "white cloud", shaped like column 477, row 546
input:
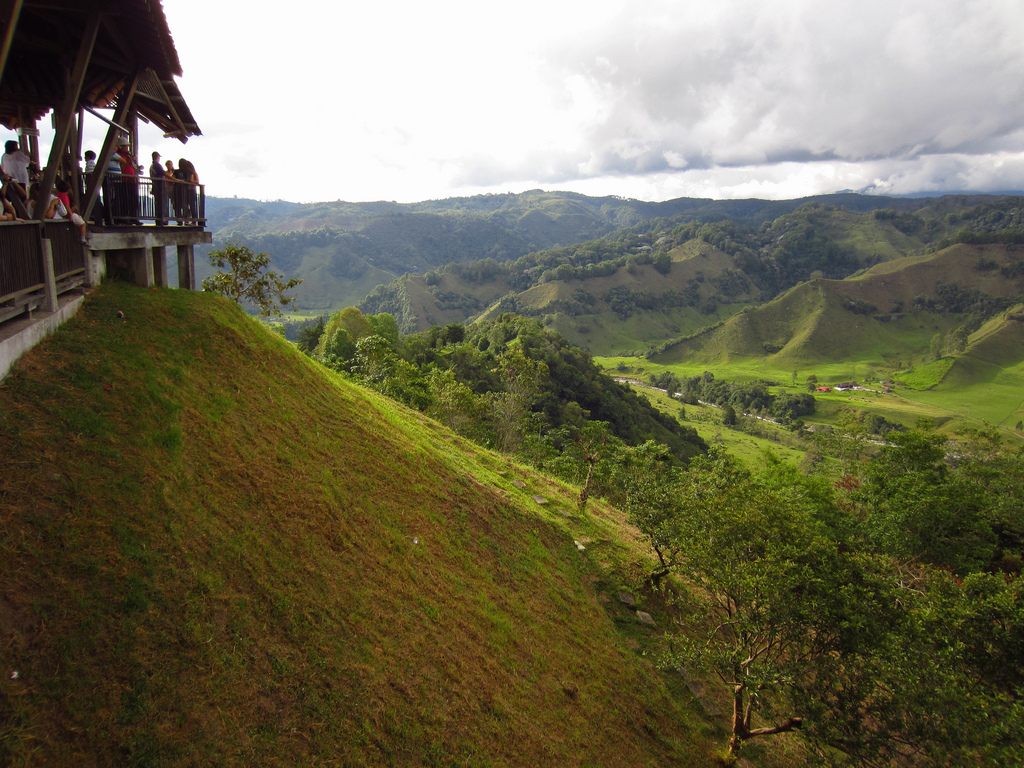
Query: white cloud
column 407, row 101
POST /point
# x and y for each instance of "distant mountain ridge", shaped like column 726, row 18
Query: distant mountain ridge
column 343, row 250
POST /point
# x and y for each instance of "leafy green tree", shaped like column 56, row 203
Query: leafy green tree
column 956, row 341
column 337, row 350
column 648, row 484
column 591, row 441
column 936, row 346
column 787, row 608
column 521, row 378
column 919, row 509
column 385, row 326
column 309, row 335
column 811, row 383
column 456, row 406
column 728, row 415
column 247, row 279
column 349, row 319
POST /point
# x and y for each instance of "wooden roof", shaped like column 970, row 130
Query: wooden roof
column 44, row 39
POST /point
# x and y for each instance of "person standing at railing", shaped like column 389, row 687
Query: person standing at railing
column 15, row 164
column 186, row 174
column 129, row 184
column 177, row 190
column 156, row 173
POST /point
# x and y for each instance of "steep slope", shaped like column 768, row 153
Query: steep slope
column 987, row 380
column 214, row 553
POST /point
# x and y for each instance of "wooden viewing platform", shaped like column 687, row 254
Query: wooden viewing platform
column 66, row 60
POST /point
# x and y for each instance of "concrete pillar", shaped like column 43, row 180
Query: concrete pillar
column 186, row 267
column 91, row 277
column 140, row 263
column 160, row 265
column 46, row 254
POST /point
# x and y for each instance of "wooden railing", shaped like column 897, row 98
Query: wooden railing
column 68, row 251
column 130, row 200
column 21, row 265
column 22, row 273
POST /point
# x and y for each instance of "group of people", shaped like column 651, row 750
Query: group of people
column 173, row 190
column 181, row 182
column 20, row 193
column 14, row 172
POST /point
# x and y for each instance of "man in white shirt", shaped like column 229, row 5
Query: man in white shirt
column 15, row 163
column 15, row 167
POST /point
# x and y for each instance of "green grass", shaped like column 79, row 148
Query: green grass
column 749, row 448
column 215, row 552
column 924, row 377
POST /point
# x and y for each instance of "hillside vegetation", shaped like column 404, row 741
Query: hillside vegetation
column 348, row 248
column 215, row 552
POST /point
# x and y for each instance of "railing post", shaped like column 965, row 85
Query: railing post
column 46, row 254
column 186, row 267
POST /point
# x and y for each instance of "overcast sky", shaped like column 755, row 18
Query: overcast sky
column 308, row 100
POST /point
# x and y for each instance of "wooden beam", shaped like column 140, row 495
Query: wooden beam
column 68, row 108
column 11, row 13
column 124, row 103
column 170, row 104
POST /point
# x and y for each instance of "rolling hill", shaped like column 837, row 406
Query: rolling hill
column 216, row 553
column 890, row 311
column 342, row 250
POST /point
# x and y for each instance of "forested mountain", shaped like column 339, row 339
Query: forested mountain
column 654, row 282
column 343, row 250
column 507, row 383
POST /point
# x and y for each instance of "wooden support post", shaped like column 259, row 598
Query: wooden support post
column 67, row 110
column 124, row 104
column 46, row 254
column 10, row 20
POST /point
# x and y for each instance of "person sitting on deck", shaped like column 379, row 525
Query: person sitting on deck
column 12, row 199
column 62, row 190
column 8, row 213
column 55, row 210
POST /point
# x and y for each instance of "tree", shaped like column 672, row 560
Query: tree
column 782, row 610
column 591, row 441
column 521, row 378
column 812, row 382
column 919, row 509
column 309, row 335
column 248, row 280
column 728, row 415
column 956, row 341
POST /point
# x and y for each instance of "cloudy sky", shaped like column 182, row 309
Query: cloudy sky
column 398, row 100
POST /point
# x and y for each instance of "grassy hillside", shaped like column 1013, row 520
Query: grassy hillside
column 987, row 381
column 866, row 319
column 215, row 553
